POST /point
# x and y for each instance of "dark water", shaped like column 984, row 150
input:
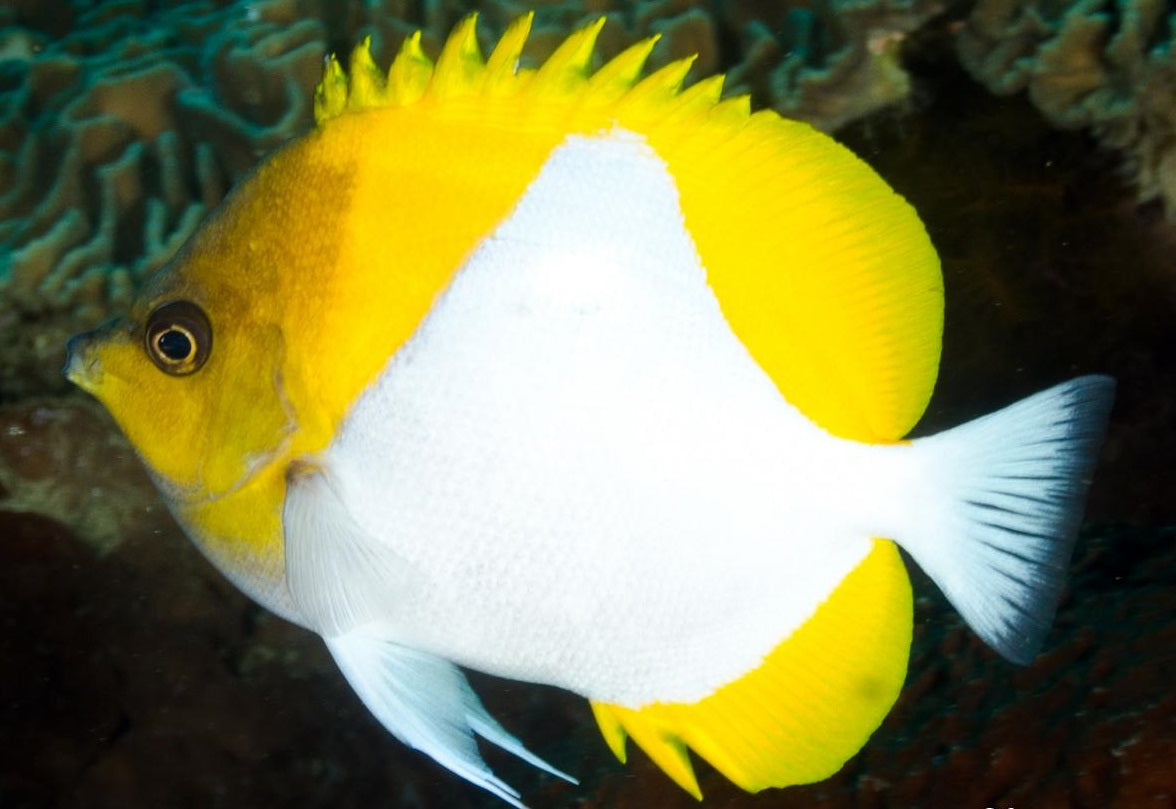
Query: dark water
column 132, row 674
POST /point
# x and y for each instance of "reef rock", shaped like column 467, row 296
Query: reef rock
column 1108, row 65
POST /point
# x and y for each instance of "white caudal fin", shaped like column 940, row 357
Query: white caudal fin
column 1008, row 490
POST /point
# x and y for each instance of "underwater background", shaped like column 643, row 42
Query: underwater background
column 1036, row 139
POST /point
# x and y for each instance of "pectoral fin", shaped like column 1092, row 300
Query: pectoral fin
column 427, row 703
column 339, row 576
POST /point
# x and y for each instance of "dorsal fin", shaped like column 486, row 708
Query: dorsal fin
column 461, row 71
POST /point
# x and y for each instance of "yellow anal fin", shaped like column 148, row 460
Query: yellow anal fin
column 665, row 749
column 811, row 704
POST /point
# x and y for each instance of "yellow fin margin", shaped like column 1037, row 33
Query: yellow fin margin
column 825, row 274
column 812, row 703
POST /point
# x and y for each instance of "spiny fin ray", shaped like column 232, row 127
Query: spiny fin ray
column 503, row 64
column 330, row 96
column 701, row 96
column 367, row 81
column 461, row 71
column 661, row 85
column 612, row 730
column 460, row 67
column 570, row 65
column 616, row 77
column 668, row 752
column 409, row 74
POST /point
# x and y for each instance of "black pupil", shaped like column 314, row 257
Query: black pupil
column 175, row 345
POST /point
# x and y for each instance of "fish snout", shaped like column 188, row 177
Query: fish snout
column 81, row 362
column 83, row 365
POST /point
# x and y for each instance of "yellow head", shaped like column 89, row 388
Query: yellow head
column 199, row 363
column 199, row 373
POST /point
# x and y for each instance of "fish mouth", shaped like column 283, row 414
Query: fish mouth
column 81, row 363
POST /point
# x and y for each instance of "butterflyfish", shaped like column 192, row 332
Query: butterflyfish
column 583, row 377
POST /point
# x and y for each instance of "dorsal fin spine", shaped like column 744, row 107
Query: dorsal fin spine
column 658, row 87
column 701, row 96
column 460, row 67
column 367, row 82
column 330, row 96
column 502, row 67
column 566, row 77
column 735, row 110
column 569, row 67
column 410, row 72
column 620, row 73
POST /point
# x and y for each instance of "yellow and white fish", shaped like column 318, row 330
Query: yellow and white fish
column 582, row 378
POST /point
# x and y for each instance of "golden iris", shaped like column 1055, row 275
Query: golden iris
column 178, row 337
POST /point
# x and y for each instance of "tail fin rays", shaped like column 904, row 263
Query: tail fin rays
column 1017, row 479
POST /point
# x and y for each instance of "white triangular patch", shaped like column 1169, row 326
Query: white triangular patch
column 602, row 488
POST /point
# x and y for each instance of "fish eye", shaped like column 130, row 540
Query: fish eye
column 178, row 338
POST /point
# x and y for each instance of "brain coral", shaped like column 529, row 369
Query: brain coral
column 122, row 123
column 116, row 136
column 1104, row 64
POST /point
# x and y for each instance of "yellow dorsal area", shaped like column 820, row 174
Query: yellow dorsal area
column 824, row 272
column 809, row 706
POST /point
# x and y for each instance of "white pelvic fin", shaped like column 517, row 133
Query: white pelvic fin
column 1009, row 490
column 339, row 577
column 427, row 703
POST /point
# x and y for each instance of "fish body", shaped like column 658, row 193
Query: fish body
column 584, row 379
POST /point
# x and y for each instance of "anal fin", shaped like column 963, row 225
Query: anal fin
column 811, row 704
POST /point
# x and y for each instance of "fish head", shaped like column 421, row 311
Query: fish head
column 194, row 382
column 199, row 373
